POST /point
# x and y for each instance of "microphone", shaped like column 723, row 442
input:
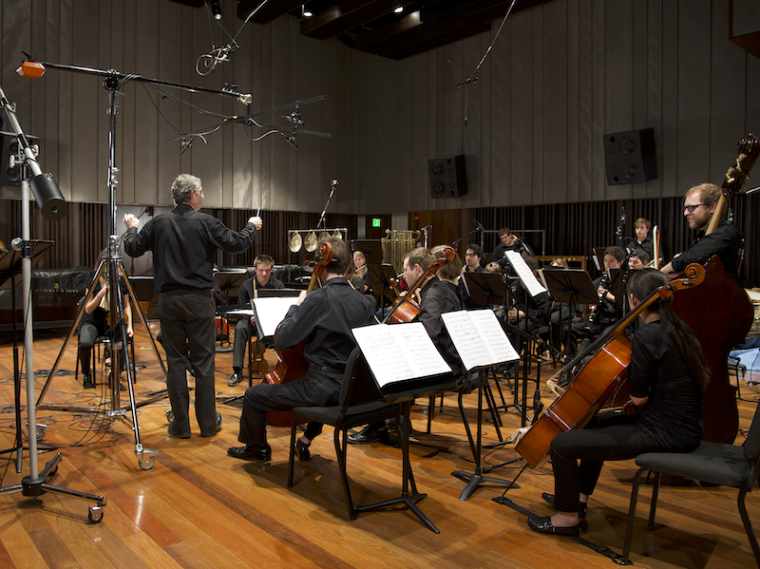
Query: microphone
column 478, row 225
column 295, row 118
column 334, row 183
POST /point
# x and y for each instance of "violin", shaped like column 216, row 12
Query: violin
column 408, row 308
column 599, row 381
column 291, row 364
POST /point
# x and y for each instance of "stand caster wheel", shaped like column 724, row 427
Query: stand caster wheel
column 148, row 463
column 95, row 515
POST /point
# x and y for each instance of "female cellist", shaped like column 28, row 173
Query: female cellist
column 666, row 383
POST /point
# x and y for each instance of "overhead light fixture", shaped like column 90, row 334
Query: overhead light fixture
column 216, row 9
column 398, row 9
column 305, row 12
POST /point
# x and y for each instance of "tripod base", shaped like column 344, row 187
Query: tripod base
column 476, row 480
column 405, row 500
column 33, row 487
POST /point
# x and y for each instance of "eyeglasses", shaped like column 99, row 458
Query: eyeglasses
column 470, row 255
column 691, row 208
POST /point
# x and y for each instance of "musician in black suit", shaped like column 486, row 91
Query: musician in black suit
column 666, row 382
column 263, row 279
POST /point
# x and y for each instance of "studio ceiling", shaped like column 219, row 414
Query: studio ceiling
column 372, row 26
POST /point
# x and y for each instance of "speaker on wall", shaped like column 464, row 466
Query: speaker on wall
column 11, row 176
column 447, row 177
column 629, row 157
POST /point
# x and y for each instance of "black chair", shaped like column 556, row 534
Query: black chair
column 716, row 463
column 360, row 403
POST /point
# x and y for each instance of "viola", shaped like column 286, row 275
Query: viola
column 600, row 380
column 407, row 308
column 291, row 364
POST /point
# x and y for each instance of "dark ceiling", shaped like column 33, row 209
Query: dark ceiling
column 373, row 26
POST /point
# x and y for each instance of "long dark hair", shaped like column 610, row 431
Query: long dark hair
column 643, row 283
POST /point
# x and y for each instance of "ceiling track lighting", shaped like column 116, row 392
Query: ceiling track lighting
column 305, row 12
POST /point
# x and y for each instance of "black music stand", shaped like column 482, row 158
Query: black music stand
column 372, row 249
column 229, row 283
column 380, row 276
column 571, row 286
column 598, row 255
column 619, row 279
column 486, row 288
column 10, row 266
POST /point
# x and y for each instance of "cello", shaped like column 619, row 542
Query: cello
column 291, row 364
column 598, row 381
column 408, row 308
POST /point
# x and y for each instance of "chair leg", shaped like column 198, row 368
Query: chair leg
column 293, row 428
column 655, row 495
column 632, row 515
column 747, row 523
column 341, row 454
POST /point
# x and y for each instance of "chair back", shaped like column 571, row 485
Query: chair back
column 358, row 382
column 752, row 444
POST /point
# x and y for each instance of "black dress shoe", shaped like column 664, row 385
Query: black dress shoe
column 369, row 434
column 216, row 428
column 87, row 383
column 251, row 452
column 234, row 380
column 177, row 434
column 302, row 451
column 582, row 506
column 544, row 525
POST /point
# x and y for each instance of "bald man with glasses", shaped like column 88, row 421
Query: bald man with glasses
column 698, row 208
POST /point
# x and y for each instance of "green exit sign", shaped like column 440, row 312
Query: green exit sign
column 375, row 222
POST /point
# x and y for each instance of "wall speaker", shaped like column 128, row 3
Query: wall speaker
column 11, row 176
column 447, row 177
column 629, row 157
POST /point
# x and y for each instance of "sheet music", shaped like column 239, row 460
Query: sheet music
column 270, row 312
column 399, row 352
column 479, row 338
column 526, row 275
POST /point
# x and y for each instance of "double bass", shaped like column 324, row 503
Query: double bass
column 291, row 364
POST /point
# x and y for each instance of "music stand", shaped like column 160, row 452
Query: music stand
column 372, row 249
column 10, row 266
column 486, row 288
column 571, row 286
column 380, row 276
column 617, row 289
column 598, row 256
column 229, row 283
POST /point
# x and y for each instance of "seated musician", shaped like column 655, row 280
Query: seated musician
column 360, row 267
column 643, row 240
column 323, row 320
column 666, row 382
column 699, row 206
column 638, row 259
column 560, row 312
column 437, row 295
column 473, row 258
column 262, row 265
column 607, row 312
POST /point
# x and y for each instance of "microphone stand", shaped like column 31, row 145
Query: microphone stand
column 322, row 218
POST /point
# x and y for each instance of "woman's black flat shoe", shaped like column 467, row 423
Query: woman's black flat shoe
column 544, row 525
column 582, row 506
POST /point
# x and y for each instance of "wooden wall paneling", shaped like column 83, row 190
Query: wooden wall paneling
column 387, row 154
column 694, row 73
column 419, row 120
column 110, row 43
column 304, row 187
column 128, row 112
column 279, row 94
column 727, row 96
column 573, row 92
column 597, row 175
column 522, row 108
column 618, row 66
column 500, row 123
column 327, row 114
column 554, row 134
column 654, row 89
column 404, row 120
column 485, row 102
column 437, row 117
column 639, row 76
column 188, row 76
column 36, row 99
column 49, row 86
column 586, row 99
column 241, row 148
column 353, row 145
column 64, row 110
column 453, row 119
column 170, row 63
column 669, row 137
column 147, row 126
column 536, row 191
column 472, row 121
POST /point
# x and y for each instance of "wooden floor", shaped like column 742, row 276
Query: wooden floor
column 198, row 508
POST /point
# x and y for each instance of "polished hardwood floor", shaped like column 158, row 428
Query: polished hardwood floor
column 198, row 508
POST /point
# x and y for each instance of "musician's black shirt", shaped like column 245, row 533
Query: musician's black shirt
column 673, row 415
column 724, row 242
column 184, row 244
column 439, row 297
column 246, row 289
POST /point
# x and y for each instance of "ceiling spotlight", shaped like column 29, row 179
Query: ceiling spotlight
column 216, row 9
column 305, row 12
column 398, row 10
